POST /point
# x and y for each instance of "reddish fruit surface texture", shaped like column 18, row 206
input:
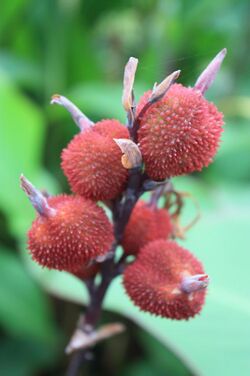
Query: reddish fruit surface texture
column 152, row 281
column 78, row 232
column 92, row 161
column 179, row 134
column 145, row 225
column 86, row 271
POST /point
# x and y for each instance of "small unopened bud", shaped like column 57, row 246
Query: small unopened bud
column 128, row 83
column 207, row 77
column 194, row 283
column 131, row 153
column 79, row 118
column 160, row 90
column 37, row 198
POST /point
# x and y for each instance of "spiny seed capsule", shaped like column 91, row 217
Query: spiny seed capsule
column 166, row 280
column 86, row 271
column 179, row 134
column 69, row 231
column 147, row 223
column 92, row 161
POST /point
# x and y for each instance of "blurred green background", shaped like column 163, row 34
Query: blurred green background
column 79, row 49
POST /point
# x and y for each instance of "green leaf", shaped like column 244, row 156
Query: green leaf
column 233, row 158
column 62, row 284
column 164, row 360
column 142, row 368
column 24, row 309
column 22, row 71
column 29, row 356
column 220, row 240
column 101, row 100
column 21, row 139
column 9, row 10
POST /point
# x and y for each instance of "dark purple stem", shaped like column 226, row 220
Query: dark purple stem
column 121, row 210
column 134, row 130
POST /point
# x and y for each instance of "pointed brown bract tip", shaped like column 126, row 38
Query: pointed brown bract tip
column 84, row 340
column 128, row 83
column 207, row 77
column 79, row 118
column 160, row 90
column 223, row 52
column 131, row 153
column 55, row 98
column 37, row 199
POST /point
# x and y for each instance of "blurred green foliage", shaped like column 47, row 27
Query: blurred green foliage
column 79, row 49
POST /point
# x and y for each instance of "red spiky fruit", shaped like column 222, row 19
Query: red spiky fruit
column 92, row 161
column 166, row 280
column 179, row 134
column 86, row 271
column 75, row 232
column 147, row 223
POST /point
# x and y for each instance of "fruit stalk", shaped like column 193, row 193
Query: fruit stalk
column 121, row 210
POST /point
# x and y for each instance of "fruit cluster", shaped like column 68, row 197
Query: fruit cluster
column 172, row 131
